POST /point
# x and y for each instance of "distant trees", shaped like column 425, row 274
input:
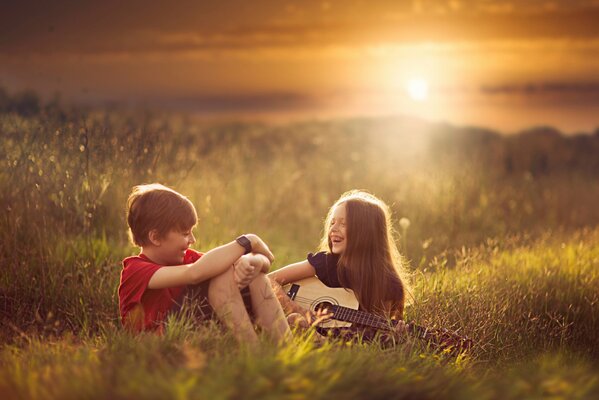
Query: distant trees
column 537, row 151
column 26, row 103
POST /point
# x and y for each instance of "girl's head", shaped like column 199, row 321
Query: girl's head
column 358, row 223
column 358, row 228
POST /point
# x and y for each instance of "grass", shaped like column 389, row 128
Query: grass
column 507, row 256
column 520, row 301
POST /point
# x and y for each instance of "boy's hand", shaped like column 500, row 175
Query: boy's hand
column 244, row 272
column 248, row 267
column 258, row 246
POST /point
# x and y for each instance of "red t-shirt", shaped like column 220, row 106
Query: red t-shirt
column 142, row 308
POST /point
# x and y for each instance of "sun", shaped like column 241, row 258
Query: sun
column 417, row 89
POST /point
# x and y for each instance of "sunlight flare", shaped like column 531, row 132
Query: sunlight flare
column 417, row 89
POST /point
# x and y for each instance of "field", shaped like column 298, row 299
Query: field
column 502, row 246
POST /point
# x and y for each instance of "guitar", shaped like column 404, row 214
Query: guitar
column 342, row 305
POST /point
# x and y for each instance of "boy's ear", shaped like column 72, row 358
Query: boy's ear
column 154, row 237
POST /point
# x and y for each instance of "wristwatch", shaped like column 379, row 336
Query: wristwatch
column 245, row 243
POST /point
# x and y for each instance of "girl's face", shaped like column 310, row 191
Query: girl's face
column 337, row 231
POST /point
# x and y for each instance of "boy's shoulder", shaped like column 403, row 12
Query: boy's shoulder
column 137, row 260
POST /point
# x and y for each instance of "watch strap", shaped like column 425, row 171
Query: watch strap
column 245, row 243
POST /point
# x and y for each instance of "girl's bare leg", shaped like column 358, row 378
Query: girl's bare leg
column 266, row 306
column 226, row 300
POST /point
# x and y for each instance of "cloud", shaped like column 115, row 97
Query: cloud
column 589, row 88
column 567, row 94
column 137, row 27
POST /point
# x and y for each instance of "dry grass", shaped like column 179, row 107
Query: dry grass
column 502, row 245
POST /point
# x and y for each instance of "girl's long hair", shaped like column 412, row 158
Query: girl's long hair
column 371, row 263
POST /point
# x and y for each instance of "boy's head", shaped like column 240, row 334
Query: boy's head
column 155, row 207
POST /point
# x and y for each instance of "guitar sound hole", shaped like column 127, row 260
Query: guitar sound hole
column 325, row 305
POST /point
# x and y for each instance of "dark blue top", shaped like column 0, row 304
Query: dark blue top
column 325, row 265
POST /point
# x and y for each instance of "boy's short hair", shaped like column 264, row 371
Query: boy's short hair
column 155, row 206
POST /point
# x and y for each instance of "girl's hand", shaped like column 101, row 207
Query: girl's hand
column 318, row 316
column 258, row 246
column 401, row 327
column 244, row 272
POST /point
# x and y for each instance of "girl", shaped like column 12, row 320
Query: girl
column 357, row 252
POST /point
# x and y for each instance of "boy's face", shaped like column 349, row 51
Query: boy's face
column 173, row 246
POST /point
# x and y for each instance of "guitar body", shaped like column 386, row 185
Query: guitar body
column 314, row 295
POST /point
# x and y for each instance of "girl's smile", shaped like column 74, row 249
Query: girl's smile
column 337, row 231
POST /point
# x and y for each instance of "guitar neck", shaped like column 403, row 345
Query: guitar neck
column 359, row 317
column 365, row 318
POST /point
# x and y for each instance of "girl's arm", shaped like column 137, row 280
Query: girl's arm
column 293, row 272
column 290, row 273
column 211, row 264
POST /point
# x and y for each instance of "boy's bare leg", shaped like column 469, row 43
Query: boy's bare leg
column 298, row 321
column 289, row 306
column 297, row 316
column 225, row 299
column 266, row 306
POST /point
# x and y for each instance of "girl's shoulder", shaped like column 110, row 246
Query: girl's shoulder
column 325, row 266
column 317, row 259
column 323, row 259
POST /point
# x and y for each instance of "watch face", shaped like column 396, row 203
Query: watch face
column 245, row 242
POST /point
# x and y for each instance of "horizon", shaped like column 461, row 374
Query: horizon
column 280, row 119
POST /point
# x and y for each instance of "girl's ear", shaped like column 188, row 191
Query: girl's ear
column 154, row 237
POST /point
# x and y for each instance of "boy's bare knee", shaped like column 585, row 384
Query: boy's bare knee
column 223, row 283
column 260, row 280
column 225, row 277
column 261, row 284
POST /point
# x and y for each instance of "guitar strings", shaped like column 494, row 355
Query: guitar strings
column 359, row 316
column 374, row 320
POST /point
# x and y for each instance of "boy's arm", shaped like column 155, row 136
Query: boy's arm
column 211, row 264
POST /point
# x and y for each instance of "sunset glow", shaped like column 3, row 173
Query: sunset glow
column 308, row 60
column 417, row 88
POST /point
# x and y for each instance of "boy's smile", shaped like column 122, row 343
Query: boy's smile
column 171, row 249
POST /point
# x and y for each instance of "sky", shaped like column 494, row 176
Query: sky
column 506, row 65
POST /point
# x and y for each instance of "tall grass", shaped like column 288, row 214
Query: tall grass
column 502, row 246
column 206, row 363
column 519, row 301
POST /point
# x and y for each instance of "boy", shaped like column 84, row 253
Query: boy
column 155, row 282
